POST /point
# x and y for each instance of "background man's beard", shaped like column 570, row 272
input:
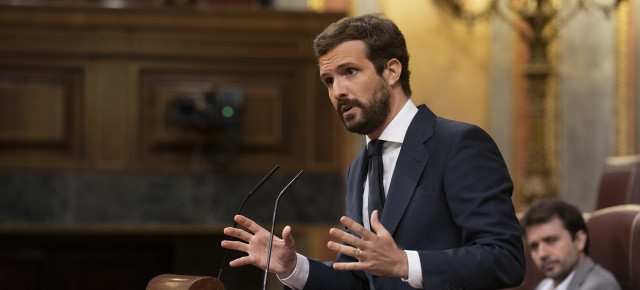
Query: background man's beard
column 372, row 116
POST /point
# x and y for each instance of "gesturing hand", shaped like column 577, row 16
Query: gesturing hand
column 377, row 253
column 283, row 253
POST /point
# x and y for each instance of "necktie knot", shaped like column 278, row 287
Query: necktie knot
column 375, row 147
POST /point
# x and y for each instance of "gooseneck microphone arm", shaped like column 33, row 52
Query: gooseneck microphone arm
column 246, row 198
column 273, row 225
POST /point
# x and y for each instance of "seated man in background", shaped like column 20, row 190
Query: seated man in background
column 556, row 236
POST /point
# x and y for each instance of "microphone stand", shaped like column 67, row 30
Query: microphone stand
column 246, row 198
column 273, row 225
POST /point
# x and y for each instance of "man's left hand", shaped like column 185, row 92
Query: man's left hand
column 377, row 253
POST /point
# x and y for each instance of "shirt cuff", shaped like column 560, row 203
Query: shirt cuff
column 415, row 270
column 300, row 274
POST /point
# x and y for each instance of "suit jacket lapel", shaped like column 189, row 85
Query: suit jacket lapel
column 356, row 189
column 409, row 167
column 581, row 274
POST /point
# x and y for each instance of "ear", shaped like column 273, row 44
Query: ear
column 392, row 71
column 580, row 240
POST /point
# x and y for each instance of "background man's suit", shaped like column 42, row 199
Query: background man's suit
column 449, row 199
column 590, row 276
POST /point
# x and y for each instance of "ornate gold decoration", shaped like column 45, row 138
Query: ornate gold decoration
column 537, row 22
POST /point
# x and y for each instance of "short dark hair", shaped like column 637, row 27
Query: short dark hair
column 382, row 38
column 544, row 211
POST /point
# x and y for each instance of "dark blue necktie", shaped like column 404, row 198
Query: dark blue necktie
column 375, row 171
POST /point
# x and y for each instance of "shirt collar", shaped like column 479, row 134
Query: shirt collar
column 565, row 283
column 397, row 129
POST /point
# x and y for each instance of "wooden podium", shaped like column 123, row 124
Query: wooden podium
column 184, row 282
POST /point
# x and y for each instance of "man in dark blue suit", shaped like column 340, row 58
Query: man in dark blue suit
column 444, row 193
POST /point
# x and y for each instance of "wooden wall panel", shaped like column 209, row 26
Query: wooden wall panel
column 262, row 116
column 207, row 43
column 321, row 120
column 270, row 125
column 109, row 111
column 32, row 112
column 41, row 117
column 110, row 108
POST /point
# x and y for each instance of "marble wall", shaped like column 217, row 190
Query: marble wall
column 501, row 88
column 78, row 198
column 587, row 96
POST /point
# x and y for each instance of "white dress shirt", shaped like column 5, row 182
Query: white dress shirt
column 393, row 134
column 547, row 284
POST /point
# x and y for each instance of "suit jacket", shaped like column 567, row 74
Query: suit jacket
column 590, row 276
column 450, row 200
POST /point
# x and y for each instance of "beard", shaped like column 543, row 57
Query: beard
column 372, row 116
column 561, row 271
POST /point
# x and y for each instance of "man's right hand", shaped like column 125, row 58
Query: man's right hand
column 283, row 252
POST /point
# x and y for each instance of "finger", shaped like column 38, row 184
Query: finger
column 345, row 237
column 344, row 249
column 240, row 262
column 235, row 245
column 353, row 266
column 247, row 223
column 375, row 223
column 357, row 228
column 237, row 233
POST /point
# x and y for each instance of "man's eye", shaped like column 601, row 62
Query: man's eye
column 351, row 71
column 328, row 81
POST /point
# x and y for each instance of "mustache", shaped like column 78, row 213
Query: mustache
column 347, row 103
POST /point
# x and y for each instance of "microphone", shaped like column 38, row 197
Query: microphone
column 246, row 198
column 273, row 225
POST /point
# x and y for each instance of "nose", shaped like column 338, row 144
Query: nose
column 338, row 89
column 542, row 252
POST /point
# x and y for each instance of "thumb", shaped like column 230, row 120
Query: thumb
column 287, row 237
column 375, row 223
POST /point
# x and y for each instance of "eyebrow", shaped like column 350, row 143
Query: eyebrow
column 340, row 66
column 545, row 239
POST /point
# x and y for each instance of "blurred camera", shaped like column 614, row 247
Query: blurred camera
column 221, row 108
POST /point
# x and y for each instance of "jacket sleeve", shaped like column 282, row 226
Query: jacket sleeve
column 323, row 276
column 477, row 189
